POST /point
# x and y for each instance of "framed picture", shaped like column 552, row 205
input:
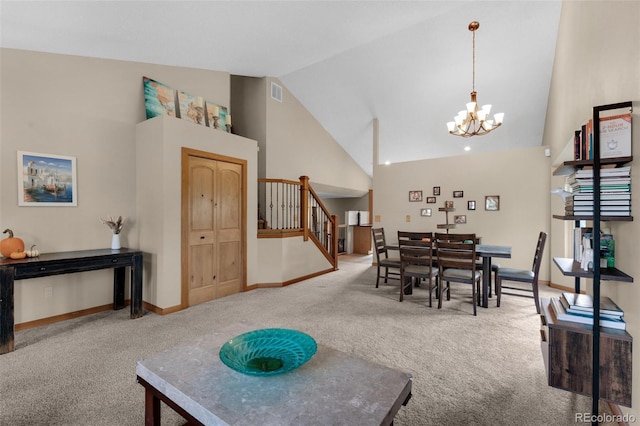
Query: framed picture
column 425, row 212
column 471, row 205
column 159, row 99
column 448, row 204
column 216, row 116
column 431, row 200
column 46, row 180
column 462, row 218
column 458, row 194
column 436, row 190
column 492, row 202
column 415, row 196
column 191, row 108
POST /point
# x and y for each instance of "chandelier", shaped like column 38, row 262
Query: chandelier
column 474, row 120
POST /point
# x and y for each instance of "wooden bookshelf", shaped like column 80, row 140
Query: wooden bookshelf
column 567, row 352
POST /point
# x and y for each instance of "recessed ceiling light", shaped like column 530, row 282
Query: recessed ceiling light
column 386, row 163
column 467, row 148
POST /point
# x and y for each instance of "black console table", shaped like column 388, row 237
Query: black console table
column 67, row 263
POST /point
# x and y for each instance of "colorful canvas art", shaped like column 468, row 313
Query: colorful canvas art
column 191, row 107
column 216, row 116
column 46, row 180
column 159, row 98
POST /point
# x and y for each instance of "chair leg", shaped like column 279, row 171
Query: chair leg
column 378, row 277
column 498, row 290
column 535, row 296
column 475, row 301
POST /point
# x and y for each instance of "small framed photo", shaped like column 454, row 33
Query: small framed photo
column 448, row 204
column 492, row 202
column 415, row 196
column 431, row 200
column 436, row 190
column 462, row 218
column 46, row 180
column 458, row 194
column 471, row 205
column 425, row 212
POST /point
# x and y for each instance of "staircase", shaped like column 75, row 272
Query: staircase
column 289, row 208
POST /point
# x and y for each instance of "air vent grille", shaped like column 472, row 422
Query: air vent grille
column 276, row 92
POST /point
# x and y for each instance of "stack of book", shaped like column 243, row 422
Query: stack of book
column 615, row 192
column 579, row 308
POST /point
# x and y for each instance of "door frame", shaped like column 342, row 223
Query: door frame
column 184, row 200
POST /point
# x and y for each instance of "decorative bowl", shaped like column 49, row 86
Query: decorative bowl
column 268, row 351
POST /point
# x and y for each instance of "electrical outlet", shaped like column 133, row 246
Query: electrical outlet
column 48, row 292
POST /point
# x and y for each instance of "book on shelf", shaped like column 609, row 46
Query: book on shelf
column 604, row 172
column 615, row 136
column 625, row 195
column 572, row 202
column 589, row 314
column 562, row 315
column 584, row 302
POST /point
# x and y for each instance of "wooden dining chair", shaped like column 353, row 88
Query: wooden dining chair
column 390, row 264
column 457, row 263
column 414, row 236
column 416, row 264
column 529, row 276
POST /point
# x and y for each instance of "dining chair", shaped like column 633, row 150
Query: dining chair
column 391, row 264
column 457, row 263
column 414, row 236
column 416, row 264
column 529, row 276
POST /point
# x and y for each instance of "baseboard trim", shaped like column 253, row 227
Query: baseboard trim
column 64, row 317
column 562, row 287
column 289, row 282
column 161, row 311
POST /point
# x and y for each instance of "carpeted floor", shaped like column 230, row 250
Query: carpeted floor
column 484, row 370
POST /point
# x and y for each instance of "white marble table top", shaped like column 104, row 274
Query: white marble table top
column 332, row 388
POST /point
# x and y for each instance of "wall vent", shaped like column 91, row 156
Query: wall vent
column 276, row 92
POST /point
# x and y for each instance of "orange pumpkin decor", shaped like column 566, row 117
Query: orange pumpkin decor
column 18, row 255
column 11, row 244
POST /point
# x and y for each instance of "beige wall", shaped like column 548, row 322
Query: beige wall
column 298, row 145
column 87, row 108
column 520, row 177
column 598, row 62
column 159, row 189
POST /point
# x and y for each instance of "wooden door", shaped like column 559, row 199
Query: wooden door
column 214, row 229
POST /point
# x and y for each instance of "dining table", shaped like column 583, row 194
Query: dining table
column 487, row 252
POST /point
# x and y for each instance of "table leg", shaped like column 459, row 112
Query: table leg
column 151, row 408
column 6, row 309
column 136, row 287
column 118, row 288
column 486, row 280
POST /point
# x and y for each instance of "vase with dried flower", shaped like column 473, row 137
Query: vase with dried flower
column 115, row 226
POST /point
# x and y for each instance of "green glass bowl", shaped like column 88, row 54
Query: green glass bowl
column 268, row 351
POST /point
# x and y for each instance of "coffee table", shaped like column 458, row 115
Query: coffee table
column 333, row 387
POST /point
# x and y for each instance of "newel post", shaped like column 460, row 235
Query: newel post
column 304, row 205
column 334, row 240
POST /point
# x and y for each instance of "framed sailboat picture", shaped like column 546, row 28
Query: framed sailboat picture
column 46, row 180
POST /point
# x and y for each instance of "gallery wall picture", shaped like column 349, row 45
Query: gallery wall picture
column 458, row 194
column 415, row 196
column 436, row 190
column 46, row 180
column 471, row 205
column 431, row 200
column 492, row 202
column 460, row 218
column 425, row 212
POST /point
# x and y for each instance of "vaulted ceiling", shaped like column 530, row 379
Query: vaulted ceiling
column 407, row 63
